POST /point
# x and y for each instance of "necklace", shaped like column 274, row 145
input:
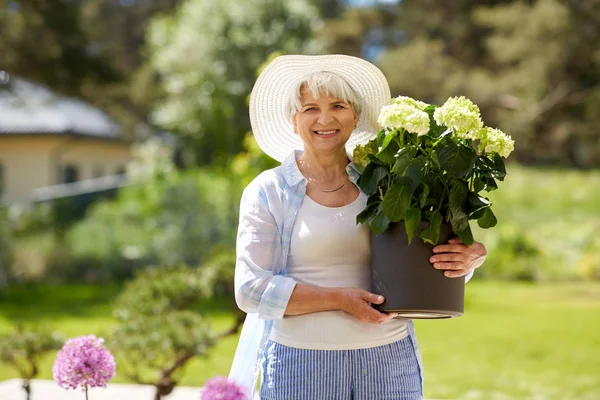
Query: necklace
column 329, row 190
column 317, row 185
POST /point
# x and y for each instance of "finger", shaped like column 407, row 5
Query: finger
column 372, row 297
column 455, row 240
column 454, row 266
column 450, row 248
column 456, row 274
column 448, row 257
column 370, row 314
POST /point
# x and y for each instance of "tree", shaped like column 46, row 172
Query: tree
column 205, row 56
column 23, row 349
column 158, row 331
column 535, row 79
column 45, row 42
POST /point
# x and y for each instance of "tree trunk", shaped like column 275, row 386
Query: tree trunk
column 27, row 387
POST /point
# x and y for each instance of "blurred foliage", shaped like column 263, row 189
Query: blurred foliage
column 551, row 241
column 206, row 55
column 158, row 330
column 46, row 42
column 89, row 49
column 187, row 66
column 533, row 67
column 24, row 348
column 6, row 246
column 164, row 216
column 160, row 290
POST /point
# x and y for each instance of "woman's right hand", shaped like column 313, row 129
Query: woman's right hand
column 356, row 301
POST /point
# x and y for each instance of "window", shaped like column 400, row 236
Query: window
column 70, row 174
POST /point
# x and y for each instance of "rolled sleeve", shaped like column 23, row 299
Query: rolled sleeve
column 258, row 288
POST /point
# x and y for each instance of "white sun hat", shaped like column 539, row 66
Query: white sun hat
column 272, row 128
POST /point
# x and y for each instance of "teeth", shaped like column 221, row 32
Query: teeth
column 325, row 132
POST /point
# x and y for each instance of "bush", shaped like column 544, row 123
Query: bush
column 165, row 222
column 158, row 330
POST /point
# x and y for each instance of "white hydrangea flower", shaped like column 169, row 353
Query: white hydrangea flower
column 411, row 102
column 493, row 140
column 460, row 115
column 405, row 116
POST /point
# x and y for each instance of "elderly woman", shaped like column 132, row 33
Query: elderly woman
column 302, row 271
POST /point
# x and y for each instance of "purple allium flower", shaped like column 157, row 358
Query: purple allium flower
column 219, row 388
column 83, row 362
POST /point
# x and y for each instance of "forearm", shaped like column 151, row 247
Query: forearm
column 306, row 299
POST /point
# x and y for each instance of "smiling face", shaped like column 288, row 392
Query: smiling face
column 324, row 123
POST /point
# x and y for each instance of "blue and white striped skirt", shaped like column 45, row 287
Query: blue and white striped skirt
column 384, row 372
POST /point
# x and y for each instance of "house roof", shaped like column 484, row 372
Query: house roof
column 28, row 108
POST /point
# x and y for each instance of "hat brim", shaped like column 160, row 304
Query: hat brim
column 273, row 130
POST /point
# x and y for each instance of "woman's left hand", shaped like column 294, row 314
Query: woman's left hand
column 457, row 258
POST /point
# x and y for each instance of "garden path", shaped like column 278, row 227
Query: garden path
column 49, row 390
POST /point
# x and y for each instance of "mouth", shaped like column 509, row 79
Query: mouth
column 327, row 132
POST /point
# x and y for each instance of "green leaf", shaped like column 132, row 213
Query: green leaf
column 379, row 223
column 397, row 199
column 403, row 158
column 499, row 167
column 380, row 137
column 412, row 221
column 373, row 159
column 458, row 217
column 387, row 154
column 431, row 234
column 387, row 140
column 416, row 171
column 477, row 203
column 488, row 220
column 423, row 196
column 466, row 235
column 435, row 130
column 368, row 213
column 370, row 178
column 458, row 198
column 478, row 184
column 457, row 159
column 490, row 184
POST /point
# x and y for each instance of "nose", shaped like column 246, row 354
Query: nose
column 325, row 117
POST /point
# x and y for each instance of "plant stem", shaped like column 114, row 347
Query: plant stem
column 86, row 392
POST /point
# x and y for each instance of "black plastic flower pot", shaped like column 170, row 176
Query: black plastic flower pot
column 403, row 274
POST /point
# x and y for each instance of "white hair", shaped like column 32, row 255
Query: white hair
column 326, row 83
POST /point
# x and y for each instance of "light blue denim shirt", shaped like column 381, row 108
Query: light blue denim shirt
column 268, row 210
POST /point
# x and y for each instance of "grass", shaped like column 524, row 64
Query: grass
column 515, row 341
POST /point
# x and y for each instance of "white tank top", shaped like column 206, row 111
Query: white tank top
column 329, row 249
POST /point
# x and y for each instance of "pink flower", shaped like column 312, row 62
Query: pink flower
column 219, row 388
column 83, row 362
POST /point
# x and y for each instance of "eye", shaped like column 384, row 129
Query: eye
column 310, row 109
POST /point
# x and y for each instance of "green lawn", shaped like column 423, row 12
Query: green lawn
column 515, row 341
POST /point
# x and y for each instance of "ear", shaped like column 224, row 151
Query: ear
column 295, row 125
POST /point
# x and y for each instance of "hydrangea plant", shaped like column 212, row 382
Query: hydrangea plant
column 431, row 163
